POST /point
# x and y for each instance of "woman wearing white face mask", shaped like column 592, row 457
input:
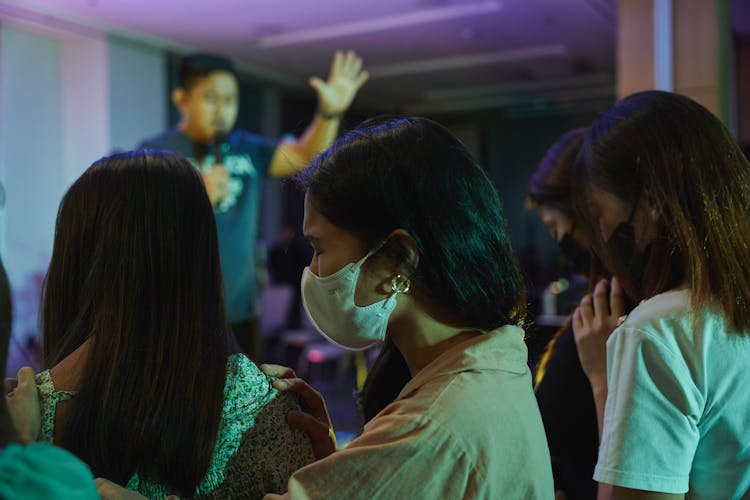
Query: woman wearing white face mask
column 411, row 250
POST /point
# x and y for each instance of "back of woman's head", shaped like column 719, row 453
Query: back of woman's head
column 412, row 173
column 551, row 182
column 7, row 433
column 135, row 269
column 668, row 151
column 553, row 186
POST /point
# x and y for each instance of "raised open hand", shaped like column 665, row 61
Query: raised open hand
column 346, row 77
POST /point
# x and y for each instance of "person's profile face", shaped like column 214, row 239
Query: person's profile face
column 557, row 223
column 210, row 106
column 333, row 247
column 607, row 212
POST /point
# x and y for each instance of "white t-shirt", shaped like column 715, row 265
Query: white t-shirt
column 677, row 417
column 466, row 426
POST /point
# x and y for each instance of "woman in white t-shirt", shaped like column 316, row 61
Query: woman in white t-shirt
column 667, row 194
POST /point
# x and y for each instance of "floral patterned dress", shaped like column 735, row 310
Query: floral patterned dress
column 255, row 451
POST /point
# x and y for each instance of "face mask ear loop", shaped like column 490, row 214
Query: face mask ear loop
column 369, row 254
column 376, row 249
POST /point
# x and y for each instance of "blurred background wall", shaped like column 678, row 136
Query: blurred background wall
column 80, row 79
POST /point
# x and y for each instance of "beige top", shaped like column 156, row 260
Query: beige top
column 466, row 426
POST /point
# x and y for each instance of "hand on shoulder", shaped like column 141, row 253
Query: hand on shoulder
column 23, row 404
column 314, row 421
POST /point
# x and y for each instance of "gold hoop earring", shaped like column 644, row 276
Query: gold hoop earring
column 400, row 284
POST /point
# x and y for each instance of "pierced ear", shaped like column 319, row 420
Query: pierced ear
column 408, row 252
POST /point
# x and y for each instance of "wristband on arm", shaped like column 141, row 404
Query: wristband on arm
column 328, row 116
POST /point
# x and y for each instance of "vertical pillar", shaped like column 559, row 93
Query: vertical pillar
column 663, row 50
column 138, row 92
column 59, row 113
column 682, row 46
column 85, row 103
column 635, row 46
column 273, row 196
column 743, row 93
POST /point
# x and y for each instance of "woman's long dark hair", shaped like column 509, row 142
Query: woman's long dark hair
column 135, row 270
column 551, row 182
column 412, row 173
column 7, row 432
column 667, row 149
column 551, row 185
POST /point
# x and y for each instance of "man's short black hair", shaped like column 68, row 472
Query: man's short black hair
column 197, row 66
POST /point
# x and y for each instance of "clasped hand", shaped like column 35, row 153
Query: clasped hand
column 594, row 320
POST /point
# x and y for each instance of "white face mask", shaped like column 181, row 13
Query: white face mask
column 329, row 303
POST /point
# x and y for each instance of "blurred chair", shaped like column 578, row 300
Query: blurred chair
column 296, row 339
column 308, row 350
column 317, row 353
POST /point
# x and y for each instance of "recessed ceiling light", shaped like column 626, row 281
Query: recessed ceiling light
column 414, row 18
column 467, row 60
